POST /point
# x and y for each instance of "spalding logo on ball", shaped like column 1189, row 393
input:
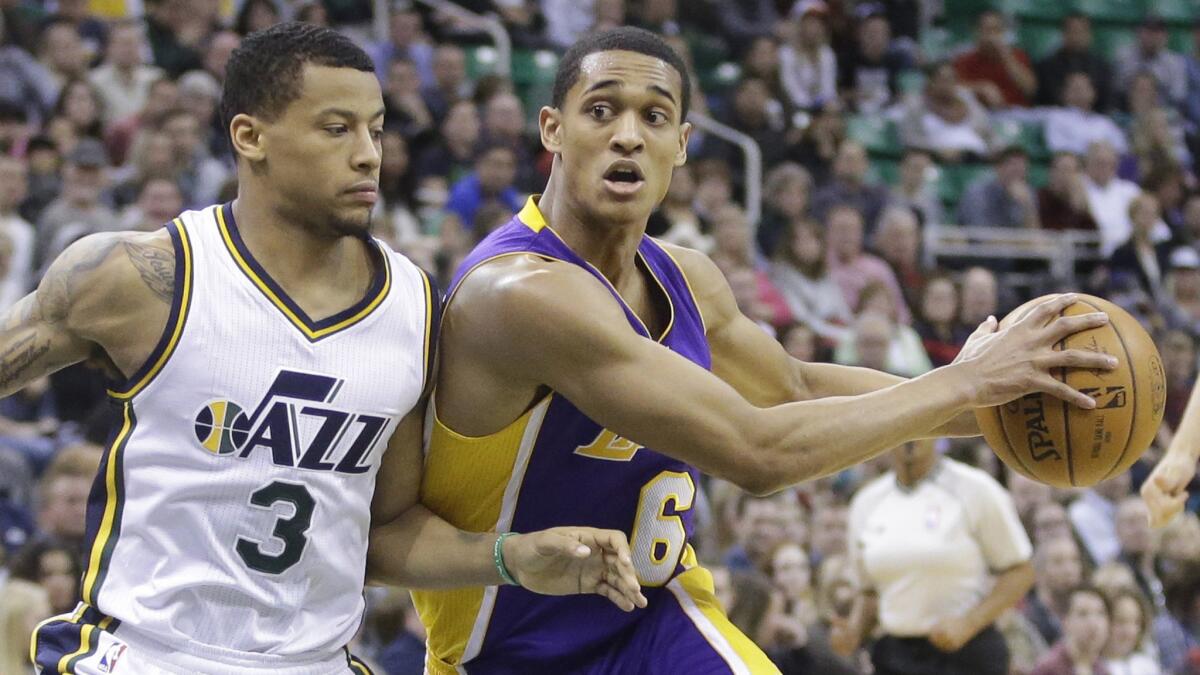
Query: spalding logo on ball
column 1061, row 444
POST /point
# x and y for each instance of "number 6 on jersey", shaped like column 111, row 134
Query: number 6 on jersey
column 658, row 535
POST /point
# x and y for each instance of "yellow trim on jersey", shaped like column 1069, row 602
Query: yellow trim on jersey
column 96, row 555
column 687, row 282
column 85, row 638
column 69, row 617
column 465, row 482
column 282, row 306
column 185, row 299
column 697, row 584
column 531, row 215
column 428, row 326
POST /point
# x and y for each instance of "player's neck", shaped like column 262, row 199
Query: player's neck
column 611, row 249
column 290, row 253
column 911, row 470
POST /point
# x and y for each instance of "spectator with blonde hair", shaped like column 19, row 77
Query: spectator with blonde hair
column 22, row 606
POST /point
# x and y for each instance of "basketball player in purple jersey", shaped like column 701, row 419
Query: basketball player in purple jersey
column 590, row 373
column 233, row 539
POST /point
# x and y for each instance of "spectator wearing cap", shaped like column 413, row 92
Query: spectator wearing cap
column 1004, row 198
column 1074, row 125
column 15, row 278
column 1181, row 306
column 946, row 120
column 1000, row 75
column 79, row 210
column 123, row 80
column 407, row 40
column 1062, row 201
column 490, row 182
column 1074, row 55
column 1150, row 53
column 807, row 65
column 869, row 71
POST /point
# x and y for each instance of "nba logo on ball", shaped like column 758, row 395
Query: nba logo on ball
column 222, row 427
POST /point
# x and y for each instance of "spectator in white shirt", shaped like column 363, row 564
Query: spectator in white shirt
column 1094, row 516
column 124, row 80
column 15, row 279
column 807, row 65
column 1109, row 197
column 1075, row 126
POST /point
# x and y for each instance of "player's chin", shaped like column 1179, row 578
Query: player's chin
column 352, row 222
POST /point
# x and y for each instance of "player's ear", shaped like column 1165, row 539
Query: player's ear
column 685, row 132
column 247, row 138
column 550, row 127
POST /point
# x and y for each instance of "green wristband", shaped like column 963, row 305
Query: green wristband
column 498, row 558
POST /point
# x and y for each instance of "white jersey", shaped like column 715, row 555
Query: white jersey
column 229, row 521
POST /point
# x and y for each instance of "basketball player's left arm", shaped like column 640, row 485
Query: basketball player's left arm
column 411, row 546
column 756, row 365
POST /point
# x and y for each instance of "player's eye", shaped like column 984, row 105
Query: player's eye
column 600, row 112
column 656, row 117
column 377, row 134
column 337, row 129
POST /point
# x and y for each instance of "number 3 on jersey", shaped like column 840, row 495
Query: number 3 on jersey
column 658, row 536
column 290, row 530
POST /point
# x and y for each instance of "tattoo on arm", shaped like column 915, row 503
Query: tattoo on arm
column 19, row 356
column 156, row 267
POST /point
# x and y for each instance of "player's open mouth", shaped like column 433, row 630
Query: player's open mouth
column 624, row 177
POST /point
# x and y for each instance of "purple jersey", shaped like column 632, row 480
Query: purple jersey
column 555, row 466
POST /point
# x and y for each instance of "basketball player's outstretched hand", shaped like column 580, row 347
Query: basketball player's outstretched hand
column 573, row 560
column 1165, row 491
column 1006, row 363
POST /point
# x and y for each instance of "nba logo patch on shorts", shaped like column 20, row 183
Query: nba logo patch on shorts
column 108, row 662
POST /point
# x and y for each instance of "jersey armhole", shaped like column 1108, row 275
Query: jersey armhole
column 180, row 302
column 433, row 321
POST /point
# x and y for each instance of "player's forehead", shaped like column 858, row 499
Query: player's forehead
column 626, row 72
column 324, row 88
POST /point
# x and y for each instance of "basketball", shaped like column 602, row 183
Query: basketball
column 1063, row 445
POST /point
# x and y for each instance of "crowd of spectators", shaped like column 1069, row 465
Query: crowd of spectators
column 108, row 121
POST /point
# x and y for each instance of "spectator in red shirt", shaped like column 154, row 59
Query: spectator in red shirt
column 999, row 75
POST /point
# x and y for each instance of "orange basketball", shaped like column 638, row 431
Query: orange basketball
column 1063, row 445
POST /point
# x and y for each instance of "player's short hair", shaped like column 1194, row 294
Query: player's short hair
column 626, row 39
column 264, row 74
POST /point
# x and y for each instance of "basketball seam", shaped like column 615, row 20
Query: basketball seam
column 1132, row 393
column 995, row 410
column 1062, row 345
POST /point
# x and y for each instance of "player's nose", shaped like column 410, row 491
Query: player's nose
column 627, row 135
column 368, row 154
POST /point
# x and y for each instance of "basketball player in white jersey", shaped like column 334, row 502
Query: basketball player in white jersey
column 271, row 362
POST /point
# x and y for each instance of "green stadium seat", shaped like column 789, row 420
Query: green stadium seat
column 878, row 135
column 910, row 82
column 1039, row 173
column 1028, row 135
column 886, row 171
column 1177, row 12
column 953, row 179
column 1111, row 11
column 1110, row 39
column 481, row 61
column 533, row 66
column 1180, row 40
column 965, row 11
column 1044, row 10
column 1038, row 38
